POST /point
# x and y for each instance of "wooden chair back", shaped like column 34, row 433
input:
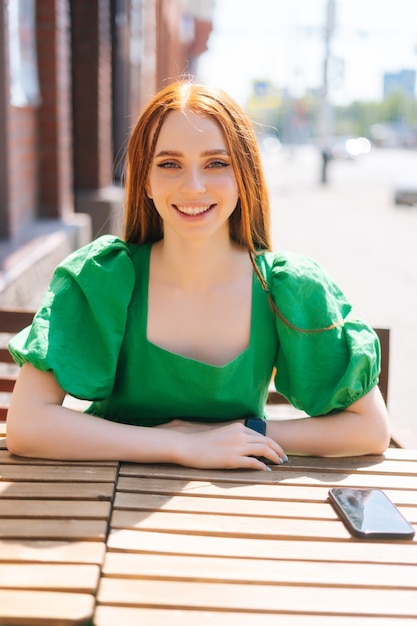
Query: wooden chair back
column 11, row 322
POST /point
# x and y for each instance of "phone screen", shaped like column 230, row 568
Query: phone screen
column 370, row 513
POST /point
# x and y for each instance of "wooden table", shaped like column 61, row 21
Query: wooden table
column 107, row 545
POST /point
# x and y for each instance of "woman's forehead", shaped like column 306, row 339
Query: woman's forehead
column 186, row 124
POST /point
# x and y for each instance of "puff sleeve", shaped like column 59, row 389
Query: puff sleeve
column 326, row 358
column 79, row 327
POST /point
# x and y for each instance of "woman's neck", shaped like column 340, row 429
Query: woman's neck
column 199, row 265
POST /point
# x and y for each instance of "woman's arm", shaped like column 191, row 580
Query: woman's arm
column 39, row 426
column 361, row 429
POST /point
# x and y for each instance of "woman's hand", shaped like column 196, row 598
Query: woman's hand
column 224, row 446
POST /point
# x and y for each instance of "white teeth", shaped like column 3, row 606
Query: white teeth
column 188, row 210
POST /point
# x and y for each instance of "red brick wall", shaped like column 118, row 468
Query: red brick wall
column 92, row 94
column 171, row 57
column 105, row 139
column 143, row 78
column 18, row 146
column 55, row 127
column 23, row 167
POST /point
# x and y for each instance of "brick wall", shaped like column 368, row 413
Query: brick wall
column 22, row 167
column 171, row 59
column 18, row 151
column 55, row 126
column 92, row 94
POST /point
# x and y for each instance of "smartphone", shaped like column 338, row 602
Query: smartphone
column 370, row 514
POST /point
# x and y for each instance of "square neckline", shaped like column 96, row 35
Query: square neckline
column 176, row 355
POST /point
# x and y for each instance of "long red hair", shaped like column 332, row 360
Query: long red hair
column 250, row 221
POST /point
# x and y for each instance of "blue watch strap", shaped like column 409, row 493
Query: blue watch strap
column 256, row 423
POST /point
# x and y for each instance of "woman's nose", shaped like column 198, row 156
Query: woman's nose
column 193, row 181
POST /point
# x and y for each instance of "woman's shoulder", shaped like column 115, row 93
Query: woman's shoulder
column 284, row 265
column 104, row 270
column 100, row 248
column 108, row 253
column 302, row 289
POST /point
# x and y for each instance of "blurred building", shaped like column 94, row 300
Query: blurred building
column 403, row 81
column 74, row 75
column 263, row 105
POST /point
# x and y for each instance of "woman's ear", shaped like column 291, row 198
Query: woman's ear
column 148, row 191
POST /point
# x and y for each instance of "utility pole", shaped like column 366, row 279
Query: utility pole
column 326, row 113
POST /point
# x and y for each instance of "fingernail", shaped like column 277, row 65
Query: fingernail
column 268, row 469
column 286, row 459
column 281, row 461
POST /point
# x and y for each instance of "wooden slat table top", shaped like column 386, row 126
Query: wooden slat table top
column 210, row 547
column 54, row 521
column 101, row 544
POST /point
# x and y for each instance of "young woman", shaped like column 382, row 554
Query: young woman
column 174, row 332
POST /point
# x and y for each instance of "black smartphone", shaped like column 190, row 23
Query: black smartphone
column 370, row 514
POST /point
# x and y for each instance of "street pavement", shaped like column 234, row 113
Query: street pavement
column 367, row 243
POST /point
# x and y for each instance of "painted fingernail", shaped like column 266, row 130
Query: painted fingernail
column 281, row 461
column 286, row 459
column 268, row 469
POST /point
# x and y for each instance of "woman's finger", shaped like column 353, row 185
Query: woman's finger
column 268, row 451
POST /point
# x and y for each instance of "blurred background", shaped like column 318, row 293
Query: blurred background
column 330, row 86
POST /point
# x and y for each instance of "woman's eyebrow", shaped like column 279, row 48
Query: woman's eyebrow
column 164, row 153
column 176, row 153
column 216, row 151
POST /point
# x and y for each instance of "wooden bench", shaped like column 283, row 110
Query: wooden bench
column 13, row 320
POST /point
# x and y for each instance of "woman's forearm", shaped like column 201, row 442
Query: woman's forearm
column 61, row 433
column 64, row 434
column 39, row 426
column 362, row 429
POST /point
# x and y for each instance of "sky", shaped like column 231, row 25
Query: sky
column 283, row 41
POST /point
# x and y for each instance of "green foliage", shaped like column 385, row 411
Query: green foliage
column 296, row 120
column 358, row 117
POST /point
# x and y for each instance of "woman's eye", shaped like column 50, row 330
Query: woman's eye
column 168, row 165
column 219, row 163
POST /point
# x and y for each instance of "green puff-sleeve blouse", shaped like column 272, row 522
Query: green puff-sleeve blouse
column 90, row 331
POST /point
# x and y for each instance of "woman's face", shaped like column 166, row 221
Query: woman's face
column 191, row 178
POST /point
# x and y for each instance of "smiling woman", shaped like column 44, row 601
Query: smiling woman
column 174, row 332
